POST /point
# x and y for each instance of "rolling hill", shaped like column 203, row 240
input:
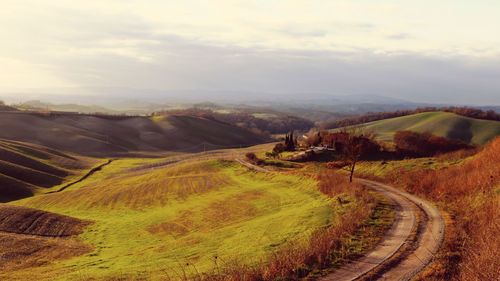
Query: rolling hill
column 449, row 125
column 26, row 169
column 101, row 135
column 177, row 219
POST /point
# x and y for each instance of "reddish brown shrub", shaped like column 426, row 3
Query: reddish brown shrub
column 251, row 156
column 425, row 144
column 469, row 192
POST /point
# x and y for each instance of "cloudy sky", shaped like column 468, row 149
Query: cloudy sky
column 419, row 50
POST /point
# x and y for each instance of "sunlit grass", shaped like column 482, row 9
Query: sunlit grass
column 161, row 220
column 382, row 168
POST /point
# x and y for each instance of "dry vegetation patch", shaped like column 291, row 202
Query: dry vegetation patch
column 469, row 191
column 139, row 191
column 18, row 253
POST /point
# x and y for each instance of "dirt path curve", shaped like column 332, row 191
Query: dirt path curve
column 382, row 263
column 390, row 259
column 84, row 177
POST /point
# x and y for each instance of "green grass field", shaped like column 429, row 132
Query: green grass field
column 443, row 124
column 158, row 223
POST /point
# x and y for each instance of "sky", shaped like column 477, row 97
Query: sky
column 418, row 50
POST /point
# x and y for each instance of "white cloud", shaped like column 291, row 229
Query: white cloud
column 266, row 45
column 20, row 74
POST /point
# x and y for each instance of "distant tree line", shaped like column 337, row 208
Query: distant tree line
column 370, row 117
column 273, row 125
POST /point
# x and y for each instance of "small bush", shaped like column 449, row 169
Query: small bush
column 251, row 156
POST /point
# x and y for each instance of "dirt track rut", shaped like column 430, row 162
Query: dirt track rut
column 390, row 260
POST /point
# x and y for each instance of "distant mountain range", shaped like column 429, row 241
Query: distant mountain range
column 314, row 106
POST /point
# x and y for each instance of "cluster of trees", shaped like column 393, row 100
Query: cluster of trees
column 351, row 145
column 337, row 140
column 277, row 150
column 277, row 123
column 370, row 117
column 410, row 143
column 289, row 144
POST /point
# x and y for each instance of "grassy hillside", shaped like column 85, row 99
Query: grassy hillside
column 155, row 224
column 467, row 188
column 26, row 169
column 107, row 135
column 469, row 130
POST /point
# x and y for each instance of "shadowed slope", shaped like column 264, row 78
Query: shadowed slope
column 12, row 189
column 114, row 135
column 449, row 125
column 25, row 168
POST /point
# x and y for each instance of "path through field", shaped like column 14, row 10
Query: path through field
column 407, row 247
column 405, row 250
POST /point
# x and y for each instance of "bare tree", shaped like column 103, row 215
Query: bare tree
column 356, row 144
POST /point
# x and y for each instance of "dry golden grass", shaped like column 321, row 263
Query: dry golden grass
column 32, row 239
column 470, row 193
column 22, row 252
column 139, row 190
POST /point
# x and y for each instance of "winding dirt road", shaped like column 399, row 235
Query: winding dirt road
column 407, row 248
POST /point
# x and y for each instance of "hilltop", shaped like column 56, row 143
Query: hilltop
column 105, row 135
column 445, row 124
